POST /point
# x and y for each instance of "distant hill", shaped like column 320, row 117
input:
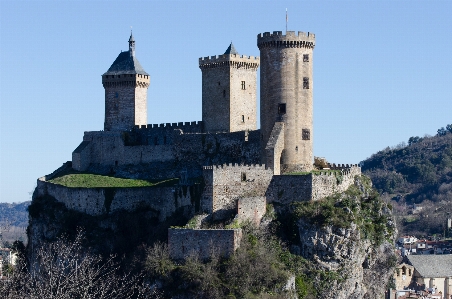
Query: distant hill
column 418, row 173
column 13, row 222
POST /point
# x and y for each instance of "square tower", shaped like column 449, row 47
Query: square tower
column 229, row 85
column 126, row 85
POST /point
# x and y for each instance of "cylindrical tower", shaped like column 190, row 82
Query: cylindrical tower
column 286, row 87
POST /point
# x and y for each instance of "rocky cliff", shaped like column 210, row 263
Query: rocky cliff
column 348, row 239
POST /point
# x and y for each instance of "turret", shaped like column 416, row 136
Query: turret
column 229, row 88
column 126, row 84
column 286, row 97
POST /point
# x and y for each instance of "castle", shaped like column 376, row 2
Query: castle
column 242, row 168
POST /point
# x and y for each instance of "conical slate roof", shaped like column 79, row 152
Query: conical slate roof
column 126, row 64
column 231, row 50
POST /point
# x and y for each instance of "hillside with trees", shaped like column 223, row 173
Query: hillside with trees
column 13, row 222
column 417, row 177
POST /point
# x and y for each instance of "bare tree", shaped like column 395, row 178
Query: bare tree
column 63, row 269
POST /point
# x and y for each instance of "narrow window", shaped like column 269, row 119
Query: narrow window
column 116, row 163
column 219, row 83
column 243, row 118
column 156, row 141
column 305, row 57
column 243, row 85
column 305, row 83
column 224, row 93
column 306, row 134
column 243, row 177
column 116, row 95
column 164, row 140
column 282, row 108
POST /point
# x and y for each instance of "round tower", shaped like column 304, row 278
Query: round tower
column 286, row 102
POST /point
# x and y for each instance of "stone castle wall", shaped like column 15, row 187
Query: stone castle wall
column 98, row 201
column 203, row 242
column 251, row 209
column 226, row 184
column 163, row 151
column 287, row 188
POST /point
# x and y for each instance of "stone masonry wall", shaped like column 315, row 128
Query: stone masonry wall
column 97, row 201
column 251, row 209
column 164, row 151
column 216, row 98
column 225, row 184
column 274, row 148
column 243, row 100
column 326, row 184
column 203, row 242
column 287, row 188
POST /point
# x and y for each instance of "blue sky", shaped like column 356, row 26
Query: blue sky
column 382, row 70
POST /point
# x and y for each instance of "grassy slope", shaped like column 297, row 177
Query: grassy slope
column 85, row 180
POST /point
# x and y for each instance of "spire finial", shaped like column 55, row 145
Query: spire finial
column 131, row 44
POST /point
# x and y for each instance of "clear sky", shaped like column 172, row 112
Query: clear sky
column 382, row 70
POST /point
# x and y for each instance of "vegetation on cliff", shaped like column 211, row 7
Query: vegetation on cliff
column 359, row 205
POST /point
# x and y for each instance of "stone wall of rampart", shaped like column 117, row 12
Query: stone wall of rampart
column 287, row 188
column 138, row 156
column 203, row 242
column 97, row 201
column 251, row 209
column 225, row 184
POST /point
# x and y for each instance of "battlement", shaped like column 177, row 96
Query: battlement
column 232, row 166
column 290, row 40
column 194, row 126
column 229, row 60
column 131, row 80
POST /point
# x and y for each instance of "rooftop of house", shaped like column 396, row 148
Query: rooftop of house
column 432, row 265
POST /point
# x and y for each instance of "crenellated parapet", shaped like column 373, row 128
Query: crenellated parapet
column 235, row 166
column 126, row 80
column 290, row 40
column 192, row 127
column 229, row 60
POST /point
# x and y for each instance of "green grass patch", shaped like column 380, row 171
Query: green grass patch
column 86, row 180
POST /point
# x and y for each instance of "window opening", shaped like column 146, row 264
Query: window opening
column 305, row 83
column 243, row 176
column 243, row 118
column 224, row 93
column 243, row 85
column 282, row 108
column 305, row 57
column 306, row 134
